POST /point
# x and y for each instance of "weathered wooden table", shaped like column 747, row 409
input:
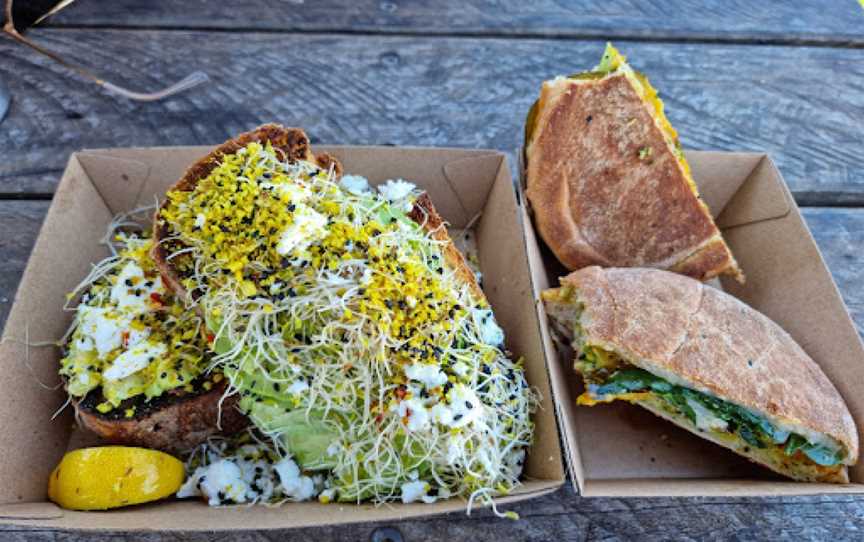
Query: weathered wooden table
column 786, row 77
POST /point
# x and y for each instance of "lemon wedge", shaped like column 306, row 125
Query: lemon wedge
column 113, row 476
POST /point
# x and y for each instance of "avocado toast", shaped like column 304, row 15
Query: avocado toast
column 136, row 364
column 347, row 322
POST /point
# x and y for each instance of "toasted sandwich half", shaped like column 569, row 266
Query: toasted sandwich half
column 607, row 180
column 707, row 362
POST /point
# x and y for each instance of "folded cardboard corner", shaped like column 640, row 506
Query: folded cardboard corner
column 470, row 188
column 622, row 450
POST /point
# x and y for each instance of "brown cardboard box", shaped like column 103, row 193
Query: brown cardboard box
column 621, row 449
column 98, row 184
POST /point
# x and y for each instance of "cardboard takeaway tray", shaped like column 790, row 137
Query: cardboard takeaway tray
column 464, row 184
column 622, row 450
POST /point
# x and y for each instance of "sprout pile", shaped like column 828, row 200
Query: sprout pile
column 357, row 348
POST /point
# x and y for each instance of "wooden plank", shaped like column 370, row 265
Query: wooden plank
column 19, row 223
column 802, row 104
column 784, row 21
column 562, row 515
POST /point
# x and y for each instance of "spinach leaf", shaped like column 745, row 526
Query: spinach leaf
column 823, row 455
column 631, row 380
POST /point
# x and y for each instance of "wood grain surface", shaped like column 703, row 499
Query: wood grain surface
column 801, row 104
column 785, row 21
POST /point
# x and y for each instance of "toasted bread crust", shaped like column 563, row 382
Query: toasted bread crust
column 292, row 142
column 174, row 423
column 674, row 326
column 424, row 214
column 606, row 188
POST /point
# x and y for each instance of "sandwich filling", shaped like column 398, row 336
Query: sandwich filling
column 131, row 337
column 609, row 377
column 354, row 345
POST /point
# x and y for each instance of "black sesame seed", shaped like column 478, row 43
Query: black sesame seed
column 128, row 282
column 468, row 405
column 589, row 118
column 457, row 417
column 276, row 386
column 291, row 207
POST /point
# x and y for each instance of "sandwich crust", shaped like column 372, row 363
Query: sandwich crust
column 684, row 331
column 607, row 189
column 174, row 422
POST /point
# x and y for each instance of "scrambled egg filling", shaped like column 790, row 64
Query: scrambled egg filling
column 608, row 378
column 351, row 340
column 130, row 335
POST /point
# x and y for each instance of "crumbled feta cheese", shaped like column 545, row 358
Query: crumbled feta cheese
column 295, row 485
column 190, row 486
column 296, row 192
column 429, row 375
column 200, row 220
column 395, row 190
column 416, row 413
column 223, row 478
column 298, row 386
column 355, row 184
column 103, row 327
column 464, row 406
column 333, row 449
column 133, row 360
column 414, row 491
column 131, row 290
column 490, row 332
column 308, row 226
